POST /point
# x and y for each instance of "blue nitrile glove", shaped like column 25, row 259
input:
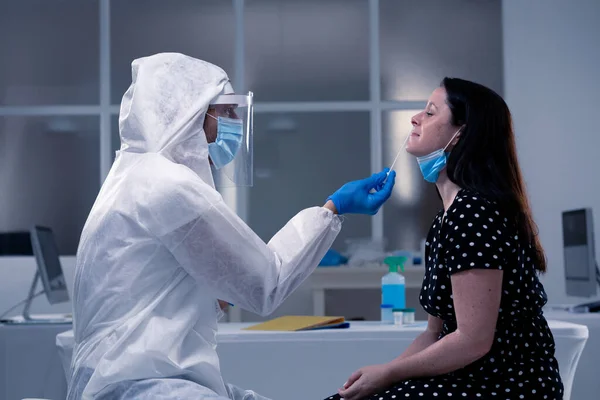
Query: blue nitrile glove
column 356, row 197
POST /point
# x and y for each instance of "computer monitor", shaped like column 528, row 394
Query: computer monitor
column 43, row 247
column 581, row 271
column 48, row 264
column 15, row 244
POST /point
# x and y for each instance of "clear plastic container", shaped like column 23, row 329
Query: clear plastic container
column 398, row 316
column 408, row 316
column 387, row 317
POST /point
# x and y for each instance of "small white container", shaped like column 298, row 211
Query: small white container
column 398, row 317
column 409, row 316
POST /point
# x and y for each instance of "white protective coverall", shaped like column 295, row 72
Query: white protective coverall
column 160, row 247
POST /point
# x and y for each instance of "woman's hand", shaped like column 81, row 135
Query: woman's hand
column 367, row 381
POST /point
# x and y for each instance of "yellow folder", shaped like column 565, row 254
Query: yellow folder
column 295, row 323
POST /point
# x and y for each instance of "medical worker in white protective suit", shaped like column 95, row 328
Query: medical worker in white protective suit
column 160, row 247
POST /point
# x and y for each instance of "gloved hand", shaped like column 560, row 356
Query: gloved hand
column 356, row 197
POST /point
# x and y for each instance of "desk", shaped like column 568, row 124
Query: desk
column 271, row 363
column 30, row 366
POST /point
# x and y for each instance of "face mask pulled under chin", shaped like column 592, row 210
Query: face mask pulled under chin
column 433, row 163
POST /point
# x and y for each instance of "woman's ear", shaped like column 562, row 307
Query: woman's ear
column 457, row 136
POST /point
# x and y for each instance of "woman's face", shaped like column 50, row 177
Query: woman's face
column 432, row 127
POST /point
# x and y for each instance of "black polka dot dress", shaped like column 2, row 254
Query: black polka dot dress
column 474, row 233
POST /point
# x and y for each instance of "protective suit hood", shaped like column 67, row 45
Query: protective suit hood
column 163, row 110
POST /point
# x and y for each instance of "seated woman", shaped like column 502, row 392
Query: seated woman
column 486, row 336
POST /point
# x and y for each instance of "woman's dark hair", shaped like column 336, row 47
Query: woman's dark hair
column 485, row 158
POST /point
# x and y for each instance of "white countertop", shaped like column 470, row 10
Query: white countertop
column 358, row 330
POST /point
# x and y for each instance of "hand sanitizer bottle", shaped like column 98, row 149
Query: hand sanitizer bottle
column 393, row 284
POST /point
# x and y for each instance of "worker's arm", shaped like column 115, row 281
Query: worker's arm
column 221, row 252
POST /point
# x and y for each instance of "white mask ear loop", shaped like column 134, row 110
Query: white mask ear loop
column 212, row 116
column 453, row 136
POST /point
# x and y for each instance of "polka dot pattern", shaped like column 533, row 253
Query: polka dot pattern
column 475, row 233
column 450, row 387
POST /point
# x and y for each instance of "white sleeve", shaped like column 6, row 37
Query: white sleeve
column 221, row 252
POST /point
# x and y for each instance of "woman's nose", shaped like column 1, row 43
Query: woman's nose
column 414, row 121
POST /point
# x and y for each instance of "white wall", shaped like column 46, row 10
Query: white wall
column 552, row 85
column 48, row 177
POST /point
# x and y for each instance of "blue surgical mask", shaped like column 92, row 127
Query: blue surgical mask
column 230, row 136
column 433, row 163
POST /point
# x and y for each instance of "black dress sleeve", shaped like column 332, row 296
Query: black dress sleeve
column 477, row 235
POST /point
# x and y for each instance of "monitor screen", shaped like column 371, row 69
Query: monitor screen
column 574, row 228
column 49, row 267
column 15, row 244
column 579, row 254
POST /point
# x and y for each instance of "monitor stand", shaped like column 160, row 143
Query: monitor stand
column 27, row 318
column 588, row 307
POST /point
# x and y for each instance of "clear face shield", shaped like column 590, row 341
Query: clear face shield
column 231, row 154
